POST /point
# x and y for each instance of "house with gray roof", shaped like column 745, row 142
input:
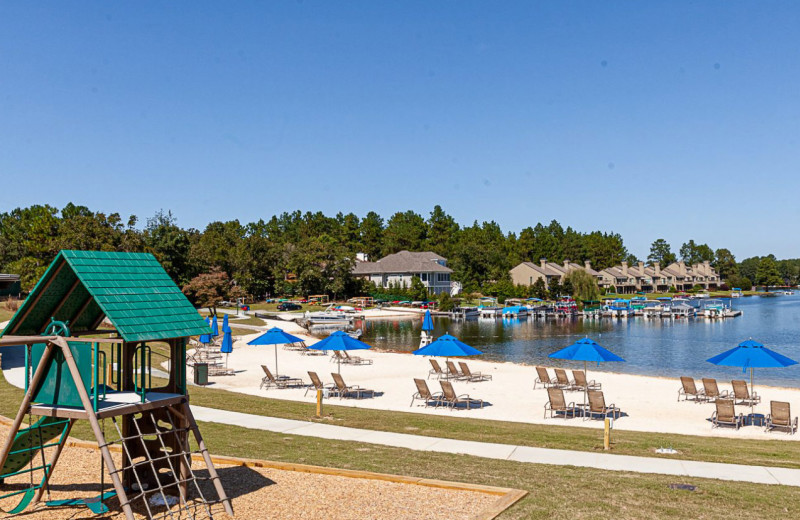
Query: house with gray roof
column 527, row 273
column 399, row 268
column 10, row 285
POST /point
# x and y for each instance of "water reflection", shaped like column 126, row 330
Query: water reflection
column 654, row 347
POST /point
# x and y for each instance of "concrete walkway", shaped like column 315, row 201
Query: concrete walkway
column 663, row 466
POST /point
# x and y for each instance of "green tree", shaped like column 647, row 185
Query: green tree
column 554, row 288
column 417, row 291
column 692, row 253
column 725, row 263
column 371, row 232
column 442, row 232
column 170, row 244
column 748, row 267
column 404, row 231
column 539, row 289
column 661, row 252
column 584, row 286
column 768, row 274
column 445, row 302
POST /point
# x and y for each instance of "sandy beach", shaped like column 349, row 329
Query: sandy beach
column 648, row 403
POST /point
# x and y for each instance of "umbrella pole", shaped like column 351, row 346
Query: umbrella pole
column 586, row 388
column 751, row 391
column 276, row 361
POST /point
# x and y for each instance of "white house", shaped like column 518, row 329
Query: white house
column 399, row 268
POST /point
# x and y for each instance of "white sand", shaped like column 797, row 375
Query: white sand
column 649, row 403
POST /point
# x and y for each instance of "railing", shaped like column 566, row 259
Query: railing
column 142, row 370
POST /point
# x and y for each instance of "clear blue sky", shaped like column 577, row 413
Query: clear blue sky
column 674, row 119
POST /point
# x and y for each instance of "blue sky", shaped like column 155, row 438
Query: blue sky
column 677, row 120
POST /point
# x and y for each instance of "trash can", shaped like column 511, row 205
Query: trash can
column 201, row 374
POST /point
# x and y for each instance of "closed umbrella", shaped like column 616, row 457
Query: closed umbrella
column 214, row 327
column 427, row 322
column 225, row 326
column 751, row 354
column 339, row 340
column 586, row 350
column 275, row 336
column 205, row 338
column 227, row 345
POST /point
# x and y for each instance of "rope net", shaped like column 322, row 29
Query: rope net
column 156, row 469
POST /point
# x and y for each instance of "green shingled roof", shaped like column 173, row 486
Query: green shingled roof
column 131, row 289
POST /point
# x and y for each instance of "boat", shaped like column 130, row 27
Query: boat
column 464, row 313
column 736, row 292
column 515, row 311
column 714, row 309
column 621, row 308
column 566, row 307
column 330, row 317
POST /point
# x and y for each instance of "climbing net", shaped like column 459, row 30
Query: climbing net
column 157, row 466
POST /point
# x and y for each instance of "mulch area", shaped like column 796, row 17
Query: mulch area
column 265, row 493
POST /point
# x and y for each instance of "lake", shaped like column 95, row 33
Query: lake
column 657, row 347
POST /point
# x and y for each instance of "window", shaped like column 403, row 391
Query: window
column 423, row 277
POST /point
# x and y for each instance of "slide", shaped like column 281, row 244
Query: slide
column 27, row 443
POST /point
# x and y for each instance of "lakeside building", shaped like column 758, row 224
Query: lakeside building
column 10, row 285
column 399, row 268
column 527, row 273
column 624, row 279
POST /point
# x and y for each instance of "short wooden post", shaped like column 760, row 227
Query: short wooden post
column 319, row 402
column 607, row 435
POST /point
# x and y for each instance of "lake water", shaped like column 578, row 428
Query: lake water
column 658, row 347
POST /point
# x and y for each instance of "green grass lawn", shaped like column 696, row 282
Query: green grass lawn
column 5, row 314
column 554, row 491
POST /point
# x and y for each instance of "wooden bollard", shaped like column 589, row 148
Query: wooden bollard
column 319, row 403
column 607, row 435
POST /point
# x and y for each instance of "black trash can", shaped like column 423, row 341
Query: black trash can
column 201, row 374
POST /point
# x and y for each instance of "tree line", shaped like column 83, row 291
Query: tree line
column 299, row 253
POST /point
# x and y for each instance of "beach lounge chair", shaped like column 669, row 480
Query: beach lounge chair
column 725, row 414
column 452, row 400
column 452, row 371
column 557, row 404
column 436, row 370
column 741, row 394
column 690, row 392
column 780, row 416
column 310, row 351
column 424, row 394
column 475, row 377
column 278, row 382
column 543, row 378
column 711, row 391
column 348, row 391
column 581, row 383
column 598, row 407
column 355, row 360
column 563, row 381
column 316, row 384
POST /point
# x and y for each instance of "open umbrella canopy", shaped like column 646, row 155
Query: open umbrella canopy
column 274, row 336
column 227, row 343
column 447, row 346
column 214, row 327
column 205, row 338
column 586, row 349
column 225, row 326
column 427, row 322
column 340, row 340
column 751, row 354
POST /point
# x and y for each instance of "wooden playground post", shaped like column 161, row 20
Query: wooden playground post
column 212, row 472
column 319, row 402
column 98, row 432
column 607, row 434
column 38, row 496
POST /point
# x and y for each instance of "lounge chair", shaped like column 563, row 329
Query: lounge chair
column 474, row 377
column 278, row 382
column 346, row 391
column 437, row 370
column 355, row 360
column 543, row 378
column 424, row 394
column 557, row 404
column 453, row 372
column 310, row 351
column 690, row 392
column 741, row 394
column 316, row 384
column 452, row 400
column 581, row 383
column 563, row 381
column 711, row 391
column 780, row 416
column 598, row 407
column 725, row 414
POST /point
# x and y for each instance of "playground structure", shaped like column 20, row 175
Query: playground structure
column 75, row 370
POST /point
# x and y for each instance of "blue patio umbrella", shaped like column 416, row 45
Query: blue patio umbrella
column 340, row 340
column 205, row 338
column 227, row 345
column 214, row 327
column 586, row 350
column 427, row 322
column 447, row 346
column 225, row 326
column 751, row 354
column 275, row 336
